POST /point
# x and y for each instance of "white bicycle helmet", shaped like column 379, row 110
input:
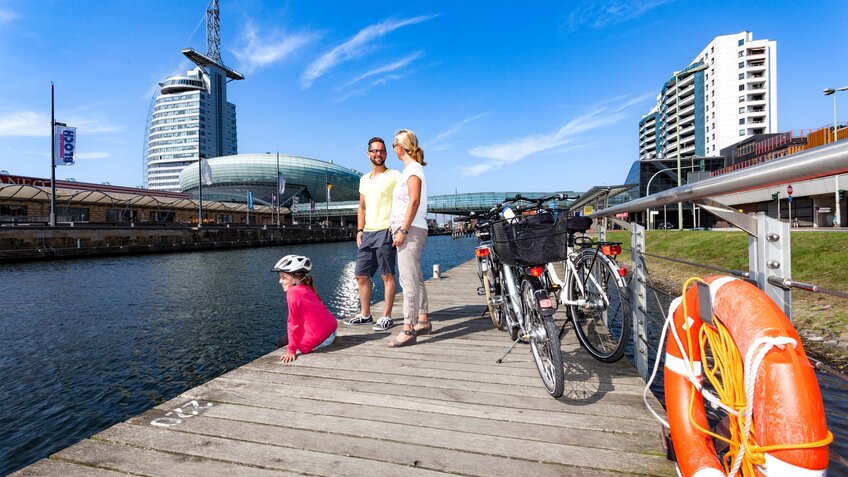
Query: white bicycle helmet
column 293, row 263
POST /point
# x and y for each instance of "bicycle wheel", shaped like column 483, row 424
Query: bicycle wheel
column 544, row 342
column 602, row 320
column 495, row 311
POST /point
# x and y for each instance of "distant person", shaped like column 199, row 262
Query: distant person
column 373, row 238
column 409, row 232
column 310, row 324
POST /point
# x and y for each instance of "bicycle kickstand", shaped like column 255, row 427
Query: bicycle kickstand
column 500, row 360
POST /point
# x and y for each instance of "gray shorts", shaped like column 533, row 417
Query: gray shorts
column 375, row 252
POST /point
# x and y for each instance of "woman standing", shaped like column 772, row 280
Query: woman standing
column 409, row 232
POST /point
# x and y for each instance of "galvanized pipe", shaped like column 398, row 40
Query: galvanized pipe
column 822, row 161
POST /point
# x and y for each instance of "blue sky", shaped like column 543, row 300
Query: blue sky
column 533, row 96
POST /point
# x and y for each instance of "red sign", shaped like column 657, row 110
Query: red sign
column 789, row 189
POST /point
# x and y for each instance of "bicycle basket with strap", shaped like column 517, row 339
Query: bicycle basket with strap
column 531, row 240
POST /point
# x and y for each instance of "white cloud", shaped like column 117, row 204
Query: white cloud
column 260, row 52
column 515, row 150
column 6, row 16
column 92, row 155
column 599, row 13
column 438, row 143
column 32, row 124
column 388, row 68
column 24, row 123
column 354, row 47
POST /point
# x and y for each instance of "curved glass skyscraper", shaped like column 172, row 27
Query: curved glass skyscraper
column 190, row 117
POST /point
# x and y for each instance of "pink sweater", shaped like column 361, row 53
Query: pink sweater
column 310, row 322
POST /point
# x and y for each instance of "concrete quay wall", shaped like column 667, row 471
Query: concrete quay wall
column 46, row 243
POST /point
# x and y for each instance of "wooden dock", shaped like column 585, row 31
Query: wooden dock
column 440, row 407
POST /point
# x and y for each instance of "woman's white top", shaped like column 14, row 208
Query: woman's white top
column 400, row 198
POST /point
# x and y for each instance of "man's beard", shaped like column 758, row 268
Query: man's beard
column 374, row 161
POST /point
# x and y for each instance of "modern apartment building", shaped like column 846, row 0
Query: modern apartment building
column 727, row 93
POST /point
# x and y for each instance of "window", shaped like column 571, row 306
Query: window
column 741, row 53
column 741, row 75
column 713, row 117
column 741, row 132
column 741, row 87
column 713, row 124
column 742, row 99
column 742, row 121
column 708, row 129
column 713, row 104
column 741, row 64
column 712, row 82
column 713, row 136
column 741, row 41
column 741, row 110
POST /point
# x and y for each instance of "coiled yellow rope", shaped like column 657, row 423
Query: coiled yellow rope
column 727, row 377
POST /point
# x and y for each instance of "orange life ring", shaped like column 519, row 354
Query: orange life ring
column 787, row 404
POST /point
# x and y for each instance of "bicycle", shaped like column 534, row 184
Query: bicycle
column 594, row 293
column 515, row 247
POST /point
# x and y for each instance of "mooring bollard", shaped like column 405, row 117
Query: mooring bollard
column 437, row 271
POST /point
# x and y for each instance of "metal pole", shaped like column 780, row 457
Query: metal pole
column 677, row 130
column 52, row 218
column 200, row 190
column 838, row 209
column 279, row 195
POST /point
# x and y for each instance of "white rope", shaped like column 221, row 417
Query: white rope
column 752, row 367
column 668, row 321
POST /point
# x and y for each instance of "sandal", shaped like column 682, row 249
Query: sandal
column 394, row 343
column 426, row 328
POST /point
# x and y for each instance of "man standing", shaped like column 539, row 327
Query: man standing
column 374, row 238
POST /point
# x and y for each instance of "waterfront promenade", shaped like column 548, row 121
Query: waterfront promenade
column 440, row 407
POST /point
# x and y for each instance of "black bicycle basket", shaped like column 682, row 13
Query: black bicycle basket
column 530, row 240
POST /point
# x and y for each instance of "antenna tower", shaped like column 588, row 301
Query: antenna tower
column 213, row 32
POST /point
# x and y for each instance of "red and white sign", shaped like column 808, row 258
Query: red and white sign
column 789, row 189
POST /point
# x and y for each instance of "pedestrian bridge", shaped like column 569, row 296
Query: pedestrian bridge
column 451, row 204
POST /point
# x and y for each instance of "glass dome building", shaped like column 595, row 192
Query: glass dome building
column 232, row 177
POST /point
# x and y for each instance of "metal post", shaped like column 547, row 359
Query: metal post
column 52, row 218
column 638, row 299
column 838, row 209
column 279, row 195
column 677, row 130
column 200, row 190
column 770, row 255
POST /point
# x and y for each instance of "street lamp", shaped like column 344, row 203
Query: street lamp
column 677, row 78
column 838, row 210
column 648, row 192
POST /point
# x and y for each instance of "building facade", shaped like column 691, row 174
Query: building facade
column 191, row 118
column 726, row 94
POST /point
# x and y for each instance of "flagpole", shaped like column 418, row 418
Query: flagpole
column 279, row 194
column 327, row 180
column 52, row 158
column 200, row 189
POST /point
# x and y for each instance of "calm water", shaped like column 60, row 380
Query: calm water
column 90, row 343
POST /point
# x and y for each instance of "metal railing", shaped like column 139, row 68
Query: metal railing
column 769, row 249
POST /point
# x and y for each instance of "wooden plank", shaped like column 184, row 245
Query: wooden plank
column 265, row 456
column 581, row 420
column 133, row 460
column 615, row 405
column 58, row 468
column 390, row 412
column 404, row 442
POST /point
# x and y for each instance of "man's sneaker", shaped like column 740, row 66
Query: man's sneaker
column 383, row 324
column 359, row 320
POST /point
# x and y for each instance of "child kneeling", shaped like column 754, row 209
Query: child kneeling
column 310, row 325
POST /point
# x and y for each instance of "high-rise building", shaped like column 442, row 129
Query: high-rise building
column 191, row 117
column 727, row 93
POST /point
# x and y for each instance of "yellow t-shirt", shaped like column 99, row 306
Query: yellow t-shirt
column 378, row 198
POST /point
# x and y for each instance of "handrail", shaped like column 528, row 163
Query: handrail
column 812, row 164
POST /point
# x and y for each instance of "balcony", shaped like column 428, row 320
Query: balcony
column 756, row 52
